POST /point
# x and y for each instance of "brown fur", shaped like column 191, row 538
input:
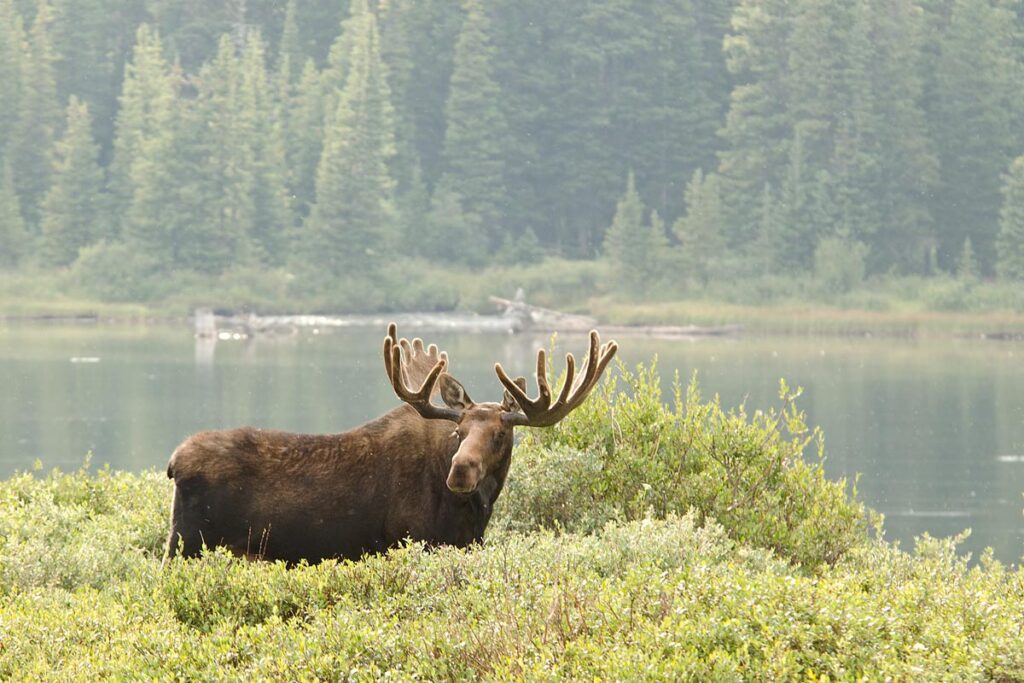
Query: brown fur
column 297, row 497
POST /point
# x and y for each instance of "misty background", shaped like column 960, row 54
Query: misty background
column 396, row 155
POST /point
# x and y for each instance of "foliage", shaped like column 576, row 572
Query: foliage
column 327, row 137
column 74, row 210
column 839, row 264
column 1010, row 243
column 83, row 598
column 14, row 239
column 634, row 246
column 640, row 457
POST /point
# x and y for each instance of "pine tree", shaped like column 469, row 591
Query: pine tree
column 967, row 263
column 39, row 119
column 1010, row 243
column 146, row 108
column 304, row 133
column 13, row 54
column 260, row 131
column 636, row 249
column 476, row 138
column 175, row 214
column 350, row 228
column 974, row 110
column 74, row 210
column 87, row 37
column 699, row 231
column 290, row 57
column 14, row 240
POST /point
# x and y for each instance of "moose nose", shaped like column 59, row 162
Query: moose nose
column 462, row 478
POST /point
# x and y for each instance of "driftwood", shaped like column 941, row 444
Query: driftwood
column 538, row 319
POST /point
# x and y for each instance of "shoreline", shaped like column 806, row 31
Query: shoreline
column 671, row 318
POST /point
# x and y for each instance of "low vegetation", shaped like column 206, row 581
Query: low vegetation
column 635, row 540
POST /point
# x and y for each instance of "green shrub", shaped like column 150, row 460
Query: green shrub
column 72, row 530
column 113, row 271
column 839, row 265
column 639, row 457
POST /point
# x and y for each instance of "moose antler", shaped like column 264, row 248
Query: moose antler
column 540, row 412
column 404, row 361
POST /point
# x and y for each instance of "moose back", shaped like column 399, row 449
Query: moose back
column 422, row 471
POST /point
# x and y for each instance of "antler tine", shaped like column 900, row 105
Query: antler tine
column 540, row 412
column 397, row 374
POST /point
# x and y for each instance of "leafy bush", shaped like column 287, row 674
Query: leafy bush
column 671, row 599
column 115, row 272
column 839, row 264
column 70, row 530
column 639, row 457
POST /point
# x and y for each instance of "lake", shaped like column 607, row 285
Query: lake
column 936, row 427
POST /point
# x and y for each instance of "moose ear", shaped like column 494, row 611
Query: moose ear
column 452, row 393
column 509, row 404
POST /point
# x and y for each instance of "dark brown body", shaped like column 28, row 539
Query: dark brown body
column 278, row 495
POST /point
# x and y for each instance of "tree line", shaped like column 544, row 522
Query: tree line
column 683, row 140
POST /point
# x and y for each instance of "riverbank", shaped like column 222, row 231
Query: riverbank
column 784, row 319
column 908, row 307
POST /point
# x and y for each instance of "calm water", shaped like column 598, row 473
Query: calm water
column 936, row 428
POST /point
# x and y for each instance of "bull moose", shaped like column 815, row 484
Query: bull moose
column 422, row 471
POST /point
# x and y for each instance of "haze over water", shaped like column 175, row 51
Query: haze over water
column 936, row 428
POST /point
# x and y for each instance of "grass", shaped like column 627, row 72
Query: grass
column 907, row 306
column 809, row 318
column 633, row 542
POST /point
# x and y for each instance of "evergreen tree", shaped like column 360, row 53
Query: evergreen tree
column 452, row 234
column 967, row 263
column 636, row 249
column 290, row 57
column 974, row 110
column 262, row 158
column 14, row 240
column 476, row 138
column 13, row 53
column 39, row 118
column 175, row 214
column 88, row 41
column 1010, row 243
column 699, row 230
column 350, row 228
column 757, row 127
column 146, row 109
column 74, row 211
column 303, row 139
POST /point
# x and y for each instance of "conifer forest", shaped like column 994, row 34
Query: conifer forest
column 344, row 147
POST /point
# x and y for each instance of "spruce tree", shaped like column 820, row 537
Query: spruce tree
column 260, row 138
column 74, row 210
column 290, row 56
column 699, row 231
column 176, row 211
column 303, row 139
column 1010, row 243
column 636, row 249
column 975, row 108
column 14, row 240
column 350, row 228
column 39, row 118
column 145, row 110
column 13, row 54
column 476, row 138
